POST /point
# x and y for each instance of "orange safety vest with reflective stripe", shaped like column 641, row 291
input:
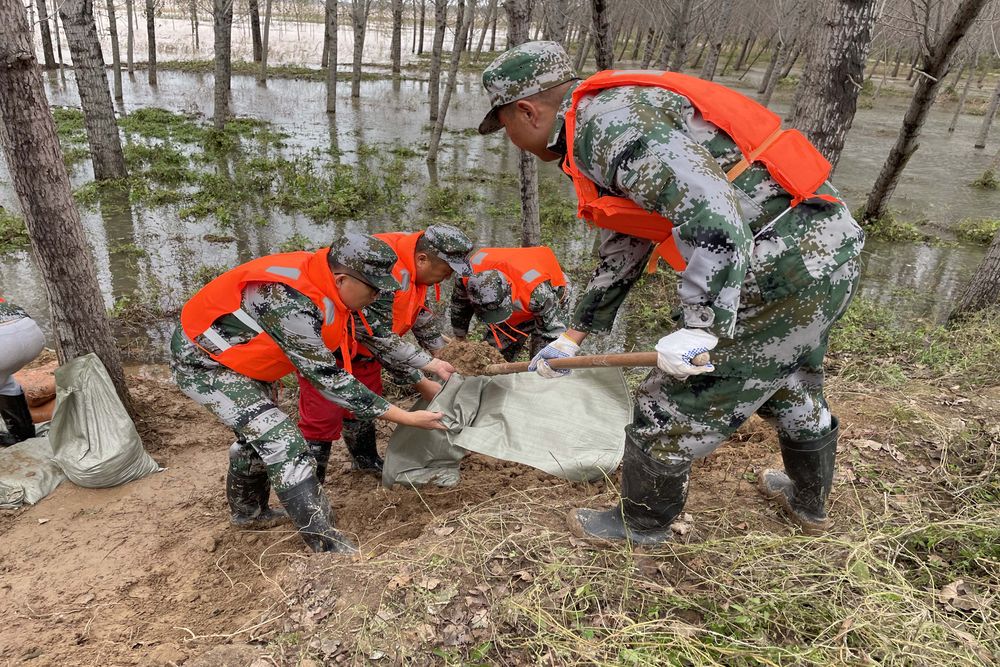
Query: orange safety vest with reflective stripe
column 411, row 298
column 261, row 358
column 790, row 159
column 525, row 269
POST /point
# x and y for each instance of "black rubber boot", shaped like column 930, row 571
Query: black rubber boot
column 653, row 494
column 360, row 437
column 17, row 417
column 803, row 487
column 311, row 513
column 320, row 449
column 248, row 497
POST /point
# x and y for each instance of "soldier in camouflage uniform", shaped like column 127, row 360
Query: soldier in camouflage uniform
column 269, row 450
column 764, row 282
column 488, row 297
column 20, row 342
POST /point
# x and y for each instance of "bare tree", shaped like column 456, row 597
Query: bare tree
column 58, row 241
column 933, row 68
column 195, row 36
column 602, row 35
column 827, row 95
column 116, row 54
column 556, row 20
column 716, row 40
column 491, row 12
column 463, row 24
column 359, row 20
column 681, row 30
column 991, row 112
column 518, row 21
column 423, row 16
column 92, row 84
column 255, row 37
column 331, row 40
column 265, row 43
column 151, row 41
column 396, row 49
column 434, row 76
column 43, row 25
column 983, row 291
column 222, row 11
column 961, row 100
column 130, row 13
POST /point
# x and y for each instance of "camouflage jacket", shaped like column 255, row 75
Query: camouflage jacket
column 400, row 357
column 548, row 304
column 650, row 145
column 10, row 312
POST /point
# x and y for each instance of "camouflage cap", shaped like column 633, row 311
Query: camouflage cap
column 489, row 291
column 366, row 258
column 451, row 245
column 520, row 72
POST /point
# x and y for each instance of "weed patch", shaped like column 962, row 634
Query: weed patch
column 988, row 181
column 13, row 233
column 890, row 228
column 979, row 231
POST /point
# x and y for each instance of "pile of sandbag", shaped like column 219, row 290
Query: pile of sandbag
column 39, row 386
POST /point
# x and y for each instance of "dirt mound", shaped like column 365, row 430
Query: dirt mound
column 470, row 358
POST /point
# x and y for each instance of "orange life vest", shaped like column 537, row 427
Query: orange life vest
column 525, row 269
column 790, row 159
column 261, row 358
column 411, row 298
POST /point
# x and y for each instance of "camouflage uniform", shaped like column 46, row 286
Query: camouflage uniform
column 767, row 280
column 549, row 304
column 20, row 341
column 10, row 312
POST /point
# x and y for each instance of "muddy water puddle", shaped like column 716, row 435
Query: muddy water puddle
column 156, row 257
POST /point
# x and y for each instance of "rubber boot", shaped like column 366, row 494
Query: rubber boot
column 248, row 497
column 653, row 494
column 311, row 513
column 803, row 487
column 17, row 417
column 360, row 436
column 320, row 449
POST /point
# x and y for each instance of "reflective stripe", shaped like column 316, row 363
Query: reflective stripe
column 477, row 258
column 331, row 311
column 284, row 271
column 404, row 279
column 770, row 225
column 213, row 336
column 531, row 275
column 248, row 321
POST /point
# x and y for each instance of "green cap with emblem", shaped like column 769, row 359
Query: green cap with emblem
column 366, row 258
column 520, row 72
column 451, row 245
column 489, row 291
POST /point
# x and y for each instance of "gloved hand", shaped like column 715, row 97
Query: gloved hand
column 561, row 348
column 675, row 351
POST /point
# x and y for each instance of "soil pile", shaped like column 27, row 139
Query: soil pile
column 470, row 358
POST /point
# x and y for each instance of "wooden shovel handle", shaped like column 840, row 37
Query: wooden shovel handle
column 628, row 359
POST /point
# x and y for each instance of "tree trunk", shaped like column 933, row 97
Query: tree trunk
column 991, row 112
column 423, row 15
column 55, row 29
column 647, row 56
column 493, row 30
column 116, row 54
column 983, row 291
column 745, row 51
column 899, row 61
column 637, row 45
column 194, row 24
column 680, row 36
column 222, row 11
column 434, row 77
column 935, row 66
column 92, row 84
column 555, row 20
column 913, row 67
column 715, row 49
column 790, row 62
column 255, row 37
column 774, row 70
column 581, row 56
column 961, row 100
column 518, row 20
column 43, row 25
column 463, row 24
column 359, row 20
column 602, row 35
column 826, row 98
column 151, row 41
column 265, row 43
column 490, row 13
column 396, row 49
column 130, row 11
column 59, row 243
column 331, row 66
column 771, row 67
column 701, row 52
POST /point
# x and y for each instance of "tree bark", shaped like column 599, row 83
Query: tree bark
column 490, row 13
column 961, row 100
column 745, row 51
column 715, row 48
column 434, row 77
column 555, row 20
column 92, row 84
column 647, row 57
column 602, row 35
column 194, row 23
column 58, row 241
column 826, row 98
column 463, row 23
column 255, row 37
column 222, row 11
column 116, row 54
column 518, row 20
column 43, row 25
column 331, row 65
column 423, row 15
column 983, row 291
column 396, row 49
column 899, row 61
column 935, row 67
column 151, row 40
column 55, row 29
column 359, row 21
column 130, row 11
column 493, row 30
column 265, row 43
column 991, row 112
column 680, row 36
column 581, row 56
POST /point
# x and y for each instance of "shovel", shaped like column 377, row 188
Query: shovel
column 627, row 359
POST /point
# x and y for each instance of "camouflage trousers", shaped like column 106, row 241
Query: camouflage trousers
column 773, row 366
column 266, row 438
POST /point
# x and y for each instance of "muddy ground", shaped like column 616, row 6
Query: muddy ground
column 152, row 573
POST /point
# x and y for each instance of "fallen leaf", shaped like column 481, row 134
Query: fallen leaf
column 743, row 525
column 959, row 595
column 429, row 583
column 377, row 655
column 398, row 581
column 524, row 575
column 480, row 619
column 41, row 521
column 868, row 444
column 442, row 531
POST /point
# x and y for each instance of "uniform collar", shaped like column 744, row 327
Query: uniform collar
column 557, row 138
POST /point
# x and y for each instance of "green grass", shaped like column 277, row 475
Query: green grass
column 977, row 230
column 890, row 228
column 988, row 181
column 13, row 233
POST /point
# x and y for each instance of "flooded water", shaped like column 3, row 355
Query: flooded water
column 158, row 254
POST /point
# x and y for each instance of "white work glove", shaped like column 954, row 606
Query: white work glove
column 675, row 351
column 560, row 348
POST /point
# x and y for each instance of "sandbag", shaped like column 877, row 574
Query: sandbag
column 44, row 412
column 93, row 438
column 573, row 428
column 27, row 473
column 39, row 384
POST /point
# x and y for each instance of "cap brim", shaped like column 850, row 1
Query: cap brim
column 461, row 267
column 385, row 283
column 491, row 122
column 496, row 316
